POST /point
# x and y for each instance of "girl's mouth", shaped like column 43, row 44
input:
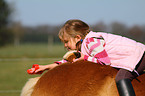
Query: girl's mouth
column 68, row 48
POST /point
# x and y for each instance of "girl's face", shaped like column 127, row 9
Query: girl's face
column 70, row 43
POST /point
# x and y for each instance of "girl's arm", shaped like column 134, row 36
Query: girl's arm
column 49, row 66
column 45, row 67
column 96, row 50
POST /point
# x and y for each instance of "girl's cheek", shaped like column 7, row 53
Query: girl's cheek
column 65, row 44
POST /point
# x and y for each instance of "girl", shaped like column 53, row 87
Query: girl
column 107, row 49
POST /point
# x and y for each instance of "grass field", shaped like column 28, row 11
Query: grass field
column 14, row 61
column 32, row 51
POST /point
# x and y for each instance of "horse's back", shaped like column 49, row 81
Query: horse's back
column 81, row 78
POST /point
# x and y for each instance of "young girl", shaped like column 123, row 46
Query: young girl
column 104, row 48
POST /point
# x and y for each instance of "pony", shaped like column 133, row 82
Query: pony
column 81, row 78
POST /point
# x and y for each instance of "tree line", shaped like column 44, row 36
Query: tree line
column 49, row 34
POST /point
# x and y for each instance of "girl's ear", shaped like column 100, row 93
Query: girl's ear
column 78, row 37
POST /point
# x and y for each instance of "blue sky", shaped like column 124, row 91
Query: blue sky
column 36, row 12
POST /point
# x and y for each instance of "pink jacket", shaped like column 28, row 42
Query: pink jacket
column 123, row 52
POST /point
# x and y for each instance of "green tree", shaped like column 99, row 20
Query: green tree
column 5, row 33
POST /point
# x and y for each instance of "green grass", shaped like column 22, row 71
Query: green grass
column 14, row 62
column 14, row 76
column 32, row 51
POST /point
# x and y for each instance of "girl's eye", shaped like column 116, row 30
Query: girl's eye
column 65, row 41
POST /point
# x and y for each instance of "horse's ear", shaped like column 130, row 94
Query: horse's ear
column 70, row 55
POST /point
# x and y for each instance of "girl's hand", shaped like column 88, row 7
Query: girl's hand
column 45, row 67
column 81, row 58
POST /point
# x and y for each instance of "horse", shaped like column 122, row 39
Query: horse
column 81, row 78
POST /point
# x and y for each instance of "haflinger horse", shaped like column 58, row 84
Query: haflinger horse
column 81, row 78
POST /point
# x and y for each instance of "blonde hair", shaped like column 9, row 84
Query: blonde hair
column 72, row 28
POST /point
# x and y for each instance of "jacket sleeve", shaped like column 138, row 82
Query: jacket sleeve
column 60, row 62
column 97, row 53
